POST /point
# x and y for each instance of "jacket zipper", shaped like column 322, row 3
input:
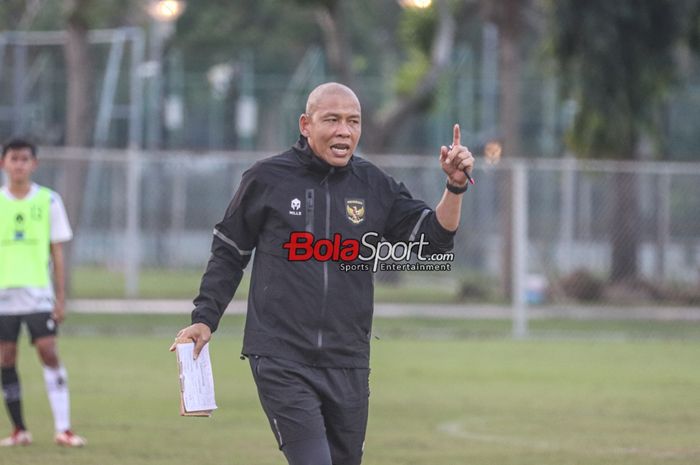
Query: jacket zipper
column 310, row 210
column 324, row 302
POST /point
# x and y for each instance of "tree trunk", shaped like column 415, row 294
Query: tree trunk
column 78, row 118
column 508, row 21
column 79, row 77
column 338, row 50
column 625, row 228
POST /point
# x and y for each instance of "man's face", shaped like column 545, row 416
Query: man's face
column 19, row 164
column 333, row 128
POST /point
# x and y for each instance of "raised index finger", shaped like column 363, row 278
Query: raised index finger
column 455, row 135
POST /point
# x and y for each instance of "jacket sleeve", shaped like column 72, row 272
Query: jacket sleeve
column 234, row 239
column 409, row 218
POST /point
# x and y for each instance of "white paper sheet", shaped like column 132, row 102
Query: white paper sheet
column 196, row 378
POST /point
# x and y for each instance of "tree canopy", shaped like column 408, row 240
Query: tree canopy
column 617, row 62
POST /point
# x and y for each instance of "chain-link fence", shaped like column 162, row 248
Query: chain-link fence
column 560, row 231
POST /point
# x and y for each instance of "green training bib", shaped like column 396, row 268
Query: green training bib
column 25, row 240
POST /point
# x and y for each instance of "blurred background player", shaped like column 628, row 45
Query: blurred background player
column 33, row 226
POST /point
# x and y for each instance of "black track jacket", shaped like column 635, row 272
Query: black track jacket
column 307, row 311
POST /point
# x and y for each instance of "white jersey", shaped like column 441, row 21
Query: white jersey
column 23, row 300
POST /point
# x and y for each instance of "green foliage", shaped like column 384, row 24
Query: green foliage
column 318, row 3
column 411, row 72
column 12, row 13
column 278, row 32
column 415, row 31
column 52, row 14
column 582, row 285
column 371, row 27
column 417, row 28
column 477, row 287
column 617, row 63
column 96, row 14
column 693, row 24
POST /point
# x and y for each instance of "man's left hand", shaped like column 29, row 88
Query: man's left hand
column 455, row 159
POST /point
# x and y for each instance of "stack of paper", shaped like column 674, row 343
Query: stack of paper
column 196, row 381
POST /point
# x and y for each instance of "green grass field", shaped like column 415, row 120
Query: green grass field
column 443, row 393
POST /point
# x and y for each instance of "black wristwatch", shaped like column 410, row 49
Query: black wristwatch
column 455, row 189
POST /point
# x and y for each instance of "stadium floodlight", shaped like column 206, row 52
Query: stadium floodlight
column 421, row 4
column 166, row 10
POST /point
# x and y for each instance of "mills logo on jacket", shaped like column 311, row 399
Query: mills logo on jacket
column 308, row 310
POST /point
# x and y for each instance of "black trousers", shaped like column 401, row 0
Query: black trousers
column 318, row 415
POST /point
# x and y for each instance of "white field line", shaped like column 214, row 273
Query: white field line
column 456, row 429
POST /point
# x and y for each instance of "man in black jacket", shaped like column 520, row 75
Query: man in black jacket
column 308, row 325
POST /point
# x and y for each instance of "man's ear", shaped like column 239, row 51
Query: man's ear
column 304, row 124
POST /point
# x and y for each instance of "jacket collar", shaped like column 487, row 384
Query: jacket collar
column 313, row 161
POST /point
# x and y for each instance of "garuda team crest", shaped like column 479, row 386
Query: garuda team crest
column 355, row 210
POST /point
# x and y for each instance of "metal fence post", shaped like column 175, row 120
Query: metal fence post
column 132, row 245
column 519, row 260
column 567, row 212
column 663, row 225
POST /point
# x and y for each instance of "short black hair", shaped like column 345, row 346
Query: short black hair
column 18, row 144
